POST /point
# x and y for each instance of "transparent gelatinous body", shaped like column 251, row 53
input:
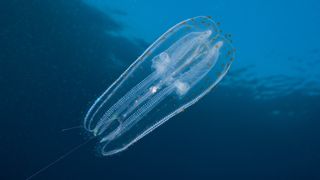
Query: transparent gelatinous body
column 178, row 69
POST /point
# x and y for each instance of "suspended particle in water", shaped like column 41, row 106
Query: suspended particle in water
column 177, row 70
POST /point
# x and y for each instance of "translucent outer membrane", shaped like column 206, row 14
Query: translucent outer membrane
column 178, row 69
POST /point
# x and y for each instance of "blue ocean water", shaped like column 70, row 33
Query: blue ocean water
column 261, row 122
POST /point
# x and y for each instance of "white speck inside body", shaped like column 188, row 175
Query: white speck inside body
column 154, row 89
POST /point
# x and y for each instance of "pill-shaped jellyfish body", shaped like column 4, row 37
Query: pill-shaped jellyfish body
column 177, row 70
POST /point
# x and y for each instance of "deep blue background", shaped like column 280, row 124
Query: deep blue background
column 262, row 122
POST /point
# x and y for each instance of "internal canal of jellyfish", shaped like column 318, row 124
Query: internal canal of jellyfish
column 178, row 75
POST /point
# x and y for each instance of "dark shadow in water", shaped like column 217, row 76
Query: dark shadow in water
column 56, row 57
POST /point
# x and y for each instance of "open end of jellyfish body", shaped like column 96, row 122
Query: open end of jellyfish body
column 182, row 63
